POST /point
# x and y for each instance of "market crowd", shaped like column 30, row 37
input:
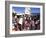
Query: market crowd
column 25, row 22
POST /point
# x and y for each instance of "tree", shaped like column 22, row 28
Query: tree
column 13, row 14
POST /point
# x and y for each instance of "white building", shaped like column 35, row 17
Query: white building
column 27, row 10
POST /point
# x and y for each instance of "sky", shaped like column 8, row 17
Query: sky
column 22, row 10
